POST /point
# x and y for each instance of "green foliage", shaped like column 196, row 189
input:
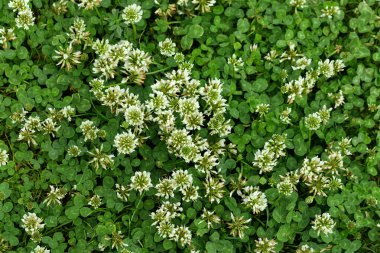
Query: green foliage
column 261, row 189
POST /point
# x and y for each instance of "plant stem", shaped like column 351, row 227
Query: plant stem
column 133, row 214
column 134, row 32
column 309, row 143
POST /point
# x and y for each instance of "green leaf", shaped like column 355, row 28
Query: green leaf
column 85, row 211
column 5, row 192
column 285, row 233
column 195, row 31
column 186, row 42
column 72, row 212
column 260, row 85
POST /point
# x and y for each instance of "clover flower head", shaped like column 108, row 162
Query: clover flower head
column 132, row 14
column 125, row 142
column 4, row 157
column 323, row 223
column 141, row 181
column 264, row 245
column 32, row 223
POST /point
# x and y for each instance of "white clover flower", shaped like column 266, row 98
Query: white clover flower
column 255, row 199
column 190, row 193
column 182, row 235
column 238, row 226
column 265, row 160
column 318, row 184
column 312, row 167
column 165, row 188
column 330, row 11
column 40, row 249
column 138, row 59
column 264, row 245
column 141, row 181
column 54, row 196
column 18, row 5
column 27, row 134
column 253, row 47
column 182, row 178
column 324, row 114
column 166, row 229
column 323, row 223
column 122, row 192
column 214, row 189
column 305, row 249
column 262, row 109
column 89, row 130
column 6, row 35
column 73, row 151
column 25, row 19
column 95, row 201
column 78, row 33
column 67, row 112
column 345, row 146
column 134, row 115
column 326, row 68
column 4, row 157
column 271, row 56
column 284, row 117
column 172, row 210
column 339, row 98
column 334, row 163
column 50, row 127
column 301, row 63
column 209, row 217
column 237, row 63
column 204, row 5
column 285, row 187
column 89, row 4
column 167, row 47
column 67, row 57
column 125, row 142
column 101, row 159
column 313, row 121
column 132, row 14
column 298, row 3
column 32, row 223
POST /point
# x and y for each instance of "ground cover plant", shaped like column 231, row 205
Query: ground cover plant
column 189, row 126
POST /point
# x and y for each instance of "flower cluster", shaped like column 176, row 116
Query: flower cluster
column 313, row 121
column 175, row 95
column 304, row 85
column 180, row 181
column 34, row 125
column 32, row 225
column 6, row 35
column 319, row 175
column 25, row 17
column 266, row 159
column 79, row 34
